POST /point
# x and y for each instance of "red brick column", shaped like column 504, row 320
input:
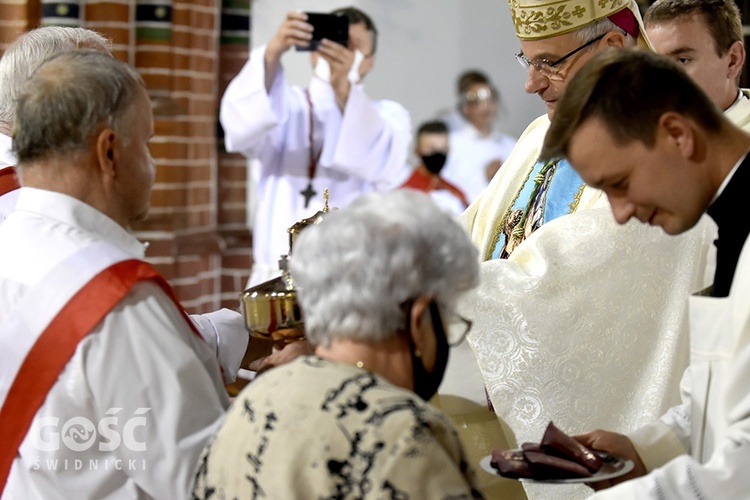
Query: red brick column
column 236, row 259
column 15, row 18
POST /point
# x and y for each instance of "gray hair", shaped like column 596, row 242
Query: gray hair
column 358, row 267
column 68, row 100
column 29, row 51
column 601, row 27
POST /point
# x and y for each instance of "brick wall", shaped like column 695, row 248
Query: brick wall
column 14, row 19
column 236, row 260
column 197, row 229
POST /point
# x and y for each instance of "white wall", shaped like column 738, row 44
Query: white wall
column 422, row 47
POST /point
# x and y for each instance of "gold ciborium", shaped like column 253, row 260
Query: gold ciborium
column 270, row 309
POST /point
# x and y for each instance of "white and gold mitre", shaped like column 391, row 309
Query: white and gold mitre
column 537, row 19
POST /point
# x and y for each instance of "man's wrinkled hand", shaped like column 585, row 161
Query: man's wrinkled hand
column 282, row 353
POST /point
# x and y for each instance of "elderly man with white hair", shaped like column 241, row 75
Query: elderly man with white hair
column 224, row 329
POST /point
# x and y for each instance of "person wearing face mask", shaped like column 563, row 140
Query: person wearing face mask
column 353, row 420
column 432, row 150
column 330, row 135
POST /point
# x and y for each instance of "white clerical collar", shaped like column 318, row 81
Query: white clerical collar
column 740, row 96
column 728, row 178
column 7, row 158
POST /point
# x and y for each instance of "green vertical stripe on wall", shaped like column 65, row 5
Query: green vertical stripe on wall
column 236, row 4
column 155, row 34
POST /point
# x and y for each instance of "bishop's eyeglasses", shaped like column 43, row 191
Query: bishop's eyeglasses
column 550, row 69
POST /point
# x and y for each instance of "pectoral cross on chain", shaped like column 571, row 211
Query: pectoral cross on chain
column 308, row 193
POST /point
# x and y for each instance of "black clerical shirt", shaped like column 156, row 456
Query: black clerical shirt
column 730, row 213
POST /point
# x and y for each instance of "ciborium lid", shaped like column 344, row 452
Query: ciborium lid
column 297, row 227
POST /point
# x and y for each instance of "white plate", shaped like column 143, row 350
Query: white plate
column 612, row 467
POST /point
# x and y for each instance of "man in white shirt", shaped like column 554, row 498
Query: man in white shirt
column 330, row 135
column 224, row 330
column 107, row 390
column 672, row 156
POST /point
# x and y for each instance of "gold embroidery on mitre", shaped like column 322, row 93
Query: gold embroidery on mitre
column 546, row 18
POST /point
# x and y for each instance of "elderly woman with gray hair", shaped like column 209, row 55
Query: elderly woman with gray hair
column 377, row 284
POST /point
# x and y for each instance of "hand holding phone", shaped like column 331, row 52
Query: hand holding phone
column 293, row 31
column 329, row 26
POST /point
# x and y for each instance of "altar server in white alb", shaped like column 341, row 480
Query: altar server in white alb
column 107, row 390
column 478, row 147
column 328, row 135
column 674, row 157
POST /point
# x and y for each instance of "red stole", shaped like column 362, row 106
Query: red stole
column 423, row 181
column 8, row 180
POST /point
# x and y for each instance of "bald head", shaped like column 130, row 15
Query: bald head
column 68, row 100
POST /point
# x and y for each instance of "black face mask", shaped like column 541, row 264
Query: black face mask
column 434, row 162
column 425, row 383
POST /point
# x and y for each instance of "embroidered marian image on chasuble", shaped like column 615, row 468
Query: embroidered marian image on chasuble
column 537, row 202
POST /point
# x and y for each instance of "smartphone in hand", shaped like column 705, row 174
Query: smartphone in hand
column 330, row 26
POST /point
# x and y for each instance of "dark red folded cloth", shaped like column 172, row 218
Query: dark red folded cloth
column 557, row 456
column 544, row 466
column 568, row 447
column 532, row 447
column 510, row 463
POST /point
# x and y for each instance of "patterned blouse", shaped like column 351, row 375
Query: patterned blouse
column 324, row 430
